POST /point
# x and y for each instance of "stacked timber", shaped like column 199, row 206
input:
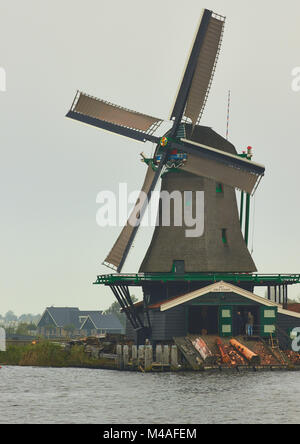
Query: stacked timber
column 203, row 350
column 251, row 357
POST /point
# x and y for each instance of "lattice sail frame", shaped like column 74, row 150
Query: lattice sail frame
column 109, row 112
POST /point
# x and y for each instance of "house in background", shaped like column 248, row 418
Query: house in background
column 97, row 322
column 70, row 321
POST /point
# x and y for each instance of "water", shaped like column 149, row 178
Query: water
column 45, row 395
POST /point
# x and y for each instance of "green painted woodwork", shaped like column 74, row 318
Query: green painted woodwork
column 225, row 321
column 219, row 188
column 139, row 279
column 224, row 236
column 268, row 319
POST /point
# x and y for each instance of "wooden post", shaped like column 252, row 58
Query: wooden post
column 141, row 356
column 166, row 355
column 285, row 297
column 125, row 356
column 279, row 296
column 134, row 355
column 159, row 357
column 174, row 358
column 119, row 357
column 148, row 358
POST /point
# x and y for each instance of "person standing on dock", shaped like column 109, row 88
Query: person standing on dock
column 250, row 324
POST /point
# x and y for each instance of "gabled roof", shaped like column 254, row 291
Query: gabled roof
column 63, row 316
column 218, row 287
column 104, row 322
column 222, row 287
column 294, row 307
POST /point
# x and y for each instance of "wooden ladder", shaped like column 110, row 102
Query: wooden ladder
column 276, row 349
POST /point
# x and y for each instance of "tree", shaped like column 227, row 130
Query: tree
column 24, row 328
column 115, row 309
column 10, row 316
column 10, row 331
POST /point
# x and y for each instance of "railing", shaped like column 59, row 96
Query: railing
column 256, row 279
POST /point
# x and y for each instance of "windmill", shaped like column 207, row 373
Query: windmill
column 202, row 160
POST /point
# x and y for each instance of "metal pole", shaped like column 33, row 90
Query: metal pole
column 279, row 294
column 242, row 208
column 247, row 219
column 228, row 115
column 285, row 297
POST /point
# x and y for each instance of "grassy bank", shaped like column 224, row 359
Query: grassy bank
column 47, row 354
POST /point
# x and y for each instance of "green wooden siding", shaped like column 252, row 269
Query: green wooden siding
column 225, row 321
column 268, row 320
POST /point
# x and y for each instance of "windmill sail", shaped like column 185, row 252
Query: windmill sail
column 120, row 250
column 223, row 167
column 200, row 68
column 113, row 118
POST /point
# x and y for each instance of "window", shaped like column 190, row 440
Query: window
column 226, row 328
column 269, row 314
column 178, row 267
column 224, row 236
column 219, row 188
column 269, row 328
column 226, row 314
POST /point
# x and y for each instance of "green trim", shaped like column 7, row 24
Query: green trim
column 171, row 170
column 209, row 278
column 268, row 323
column 219, row 188
column 225, row 323
column 150, row 162
column 224, row 236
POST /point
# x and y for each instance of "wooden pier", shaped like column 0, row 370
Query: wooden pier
column 251, row 354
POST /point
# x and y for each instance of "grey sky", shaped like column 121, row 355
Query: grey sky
column 131, row 53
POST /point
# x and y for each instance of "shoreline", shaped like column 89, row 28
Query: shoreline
column 46, row 354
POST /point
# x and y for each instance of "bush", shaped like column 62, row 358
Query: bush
column 49, row 354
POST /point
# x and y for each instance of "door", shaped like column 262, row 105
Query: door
column 268, row 317
column 225, row 321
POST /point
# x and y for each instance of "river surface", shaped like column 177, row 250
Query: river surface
column 54, row 396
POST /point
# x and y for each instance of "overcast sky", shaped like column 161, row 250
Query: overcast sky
column 131, row 53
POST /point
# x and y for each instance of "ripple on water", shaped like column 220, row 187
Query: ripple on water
column 45, row 395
